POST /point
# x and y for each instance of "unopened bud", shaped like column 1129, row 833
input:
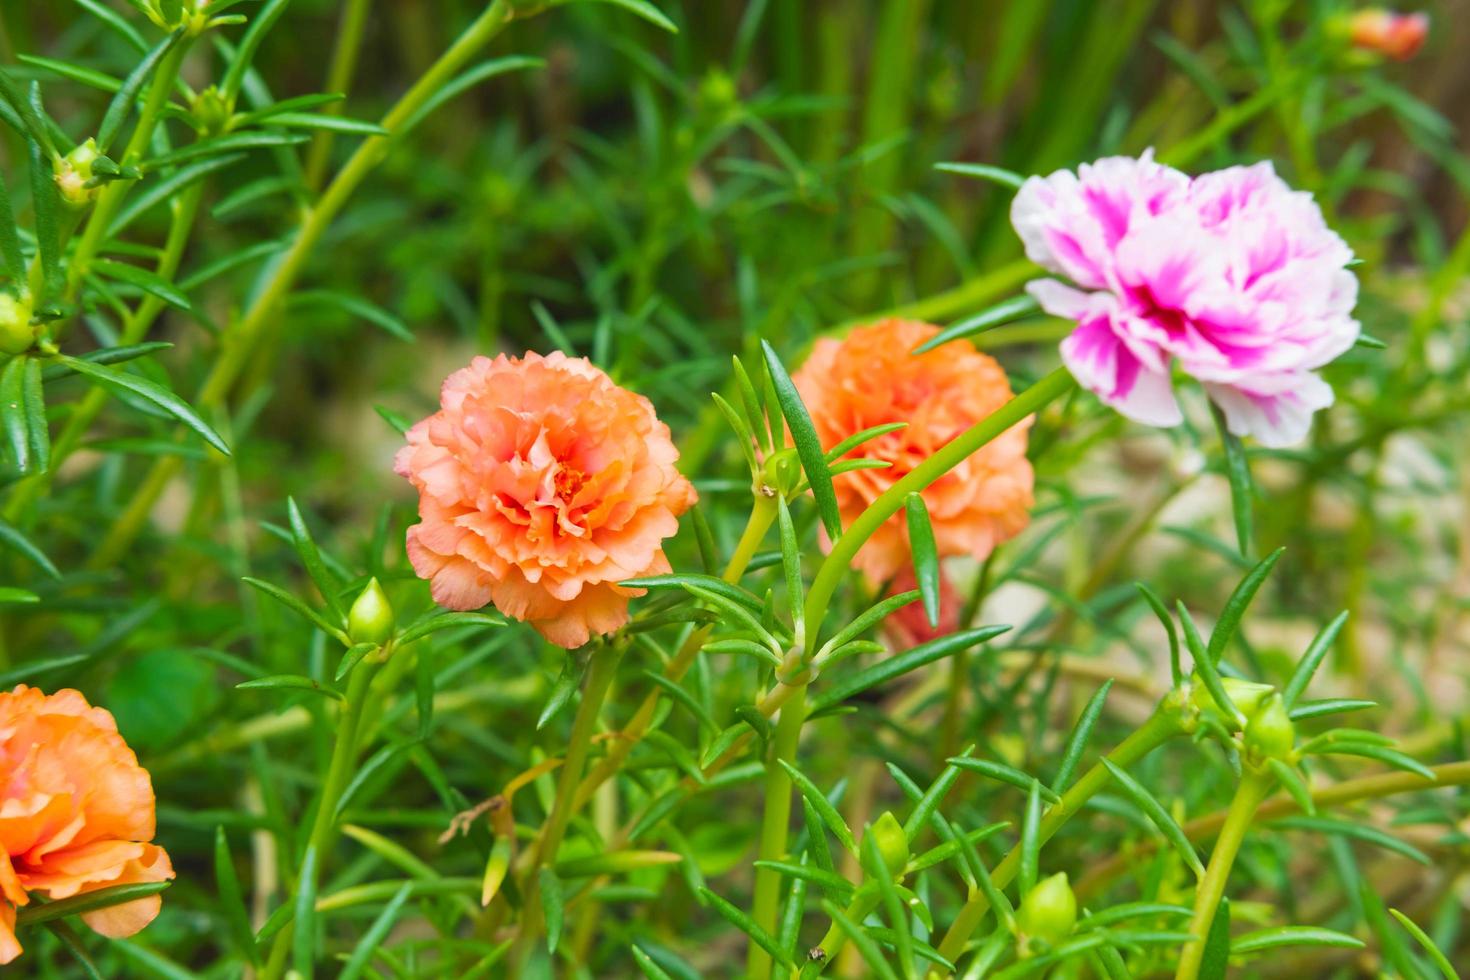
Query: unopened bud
column 1385, row 33
column 16, row 333
column 783, row 471
column 211, row 109
column 1245, row 695
column 893, row 843
column 1269, row 734
column 73, row 173
column 371, row 617
column 1049, row 910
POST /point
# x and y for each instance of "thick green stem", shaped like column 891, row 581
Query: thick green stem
column 762, row 514
column 845, row 549
column 339, row 772
column 1248, row 796
column 241, row 342
column 1161, row 726
column 775, row 823
column 600, row 674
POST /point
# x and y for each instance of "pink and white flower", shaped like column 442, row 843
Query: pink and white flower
column 1232, row 275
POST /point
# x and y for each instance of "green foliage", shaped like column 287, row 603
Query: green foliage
column 230, row 235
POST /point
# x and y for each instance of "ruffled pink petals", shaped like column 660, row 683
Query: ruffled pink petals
column 1103, row 364
column 1277, row 410
column 1233, row 277
column 1072, row 223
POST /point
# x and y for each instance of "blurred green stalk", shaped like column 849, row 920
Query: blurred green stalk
column 259, row 323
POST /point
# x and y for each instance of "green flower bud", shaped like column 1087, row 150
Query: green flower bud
column 73, row 172
column 212, row 110
column 892, row 842
column 371, row 618
column 783, row 472
column 16, row 333
column 1049, row 911
column 1247, row 696
column 1269, row 733
column 191, row 13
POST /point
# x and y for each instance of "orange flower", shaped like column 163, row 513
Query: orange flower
column 541, row 486
column 1397, row 36
column 871, row 378
column 76, row 812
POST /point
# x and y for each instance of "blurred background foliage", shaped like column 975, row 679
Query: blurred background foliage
column 660, row 202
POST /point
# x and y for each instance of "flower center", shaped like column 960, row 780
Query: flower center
column 568, row 483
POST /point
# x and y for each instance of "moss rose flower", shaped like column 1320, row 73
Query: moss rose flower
column 542, row 484
column 870, row 378
column 1232, row 276
column 76, row 812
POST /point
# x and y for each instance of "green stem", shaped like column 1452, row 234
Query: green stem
column 1160, row 727
column 862, row 905
column 762, row 515
column 339, row 78
column 775, row 823
column 845, row 549
column 1248, row 796
column 339, row 771
column 258, row 321
column 600, row 674
column 1350, row 791
column 111, row 198
column 28, row 491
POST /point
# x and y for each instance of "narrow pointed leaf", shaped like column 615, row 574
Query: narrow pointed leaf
column 1239, row 601
column 1264, row 939
column 121, row 381
column 122, row 103
column 858, row 438
column 1176, row 673
column 1030, row 841
column 362, row 953
column 1441, row 962
column 1159, row 816
column 925, row 555
column 984, row 171
column 1003, row 773
column 290, row 682
column 1312, row 659
column 232, row 899
column 1077, row 742
column 808, row 447
column 822, row 806
column 1000, row 314
column 747, row 925
column 1242, row 490
column 1205, row 667
column 1291, row 781
column 887, row 670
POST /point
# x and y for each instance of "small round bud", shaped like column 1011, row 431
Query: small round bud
column 73, row 172
column 1049, row 911
column 783, row 471
column 16, row 333
column 892, row 842
column 1269, row 734
column 371, row 618
column 212, row 110
column 718, row 93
